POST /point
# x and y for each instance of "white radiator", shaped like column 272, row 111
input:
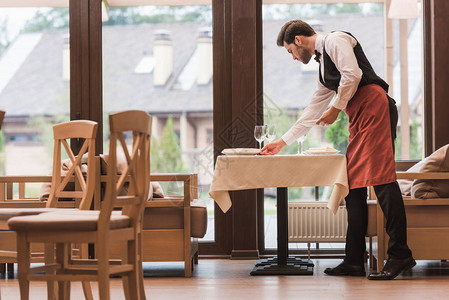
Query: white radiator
column 314, row 222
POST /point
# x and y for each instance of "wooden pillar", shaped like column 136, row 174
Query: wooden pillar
column 244, row 118
column 436, row 73
column 86, row 65
column 237, row 80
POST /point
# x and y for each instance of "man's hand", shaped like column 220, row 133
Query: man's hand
column 273, row 148
column 328, row 117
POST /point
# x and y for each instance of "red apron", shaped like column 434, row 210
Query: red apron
column 370, row 151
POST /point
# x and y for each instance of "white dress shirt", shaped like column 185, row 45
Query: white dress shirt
column 339, row 47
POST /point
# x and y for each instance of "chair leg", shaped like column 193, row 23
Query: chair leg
column 188, row 266
column 63, row 286
column 125, row 277
column 49, row 257
column 23, row 260
column 87, row 288
column 134, row 289
column 103, row 269
column 140, row 267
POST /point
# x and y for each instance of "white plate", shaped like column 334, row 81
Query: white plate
column 241, row 151
column 321, row 152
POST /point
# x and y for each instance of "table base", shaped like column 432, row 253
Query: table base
column 290, row 260
column 288, row 269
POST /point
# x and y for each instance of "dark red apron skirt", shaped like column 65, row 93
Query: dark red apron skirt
column 370, row 152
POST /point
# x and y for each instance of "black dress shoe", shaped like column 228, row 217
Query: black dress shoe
column 393, row 268
column 345, row 269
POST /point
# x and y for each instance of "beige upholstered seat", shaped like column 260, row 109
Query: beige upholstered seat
column 66, row 222
column 101, row 229
column 173, row 218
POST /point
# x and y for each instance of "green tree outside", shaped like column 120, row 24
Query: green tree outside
column 4, row 37
column 338, row 133
column 165, row 157
column 55, row 18
column 166, row 152
column 415, row 143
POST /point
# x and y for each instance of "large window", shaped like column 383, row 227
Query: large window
column 159, row 59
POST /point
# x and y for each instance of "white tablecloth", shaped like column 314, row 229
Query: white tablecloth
column 242, row 172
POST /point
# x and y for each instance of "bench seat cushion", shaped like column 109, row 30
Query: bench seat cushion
column 173, row 218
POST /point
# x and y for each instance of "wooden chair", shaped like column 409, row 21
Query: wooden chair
column 101, row 228
column 82, row 198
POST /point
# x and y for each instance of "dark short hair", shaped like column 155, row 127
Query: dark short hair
column 292, row 29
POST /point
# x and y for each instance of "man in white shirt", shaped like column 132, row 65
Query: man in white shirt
column 346, row 72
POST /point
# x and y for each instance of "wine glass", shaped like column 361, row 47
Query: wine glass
column 271, row 133
column 300, row 141
column 260, row 133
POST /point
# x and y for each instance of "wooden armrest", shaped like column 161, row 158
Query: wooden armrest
column 432, row 175
column 7, row 183
column 33, row 204
column 24, row 179
column 170, row 177
column 433, row 201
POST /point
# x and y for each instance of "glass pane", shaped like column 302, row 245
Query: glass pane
column 409, row 141
column 34, row 86
column 159, row 59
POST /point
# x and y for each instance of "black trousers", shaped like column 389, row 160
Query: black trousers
column 390, row 199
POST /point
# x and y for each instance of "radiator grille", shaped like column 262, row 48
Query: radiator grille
column 314, row 222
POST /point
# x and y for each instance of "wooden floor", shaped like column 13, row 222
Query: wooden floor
column 230, row 279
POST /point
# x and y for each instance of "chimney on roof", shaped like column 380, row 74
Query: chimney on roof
column 163, row 56
column 204, row 49
column 66, row 59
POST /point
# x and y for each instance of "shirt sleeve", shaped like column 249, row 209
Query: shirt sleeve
column 340, row 47
column 320, row 101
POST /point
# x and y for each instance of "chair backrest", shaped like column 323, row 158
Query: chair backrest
column 137, row 171
column 80, row 129
column 2, row 115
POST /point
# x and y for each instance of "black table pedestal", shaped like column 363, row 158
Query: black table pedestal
column 283, row 264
